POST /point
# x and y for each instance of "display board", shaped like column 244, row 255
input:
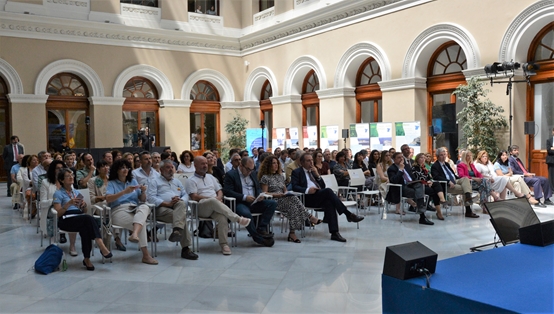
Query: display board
column 254, row 138
column 329, row 137
column 409, row 133
column 359, row 136
column 381, row 135
column 309, row 135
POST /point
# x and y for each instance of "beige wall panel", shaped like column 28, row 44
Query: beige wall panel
column 231, row 10
column 288, row 116
column 106, row 6
column 337, row 111
column 106, row 128
column 282, row 6
column 249, row 8
column 175, row 10
column 175, row 128
column 31, row 128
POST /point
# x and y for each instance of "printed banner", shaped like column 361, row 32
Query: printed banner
column 279, row 138
column 359, row 137
column 409, row 133
column 292, row 137
column 254, row 138
column 309, row 135
column 381, row 135
column 329, row 137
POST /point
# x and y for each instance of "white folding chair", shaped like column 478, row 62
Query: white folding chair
column 357, row 178
column 402, row 201
column 195, row 222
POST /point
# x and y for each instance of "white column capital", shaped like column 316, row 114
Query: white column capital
column 27, row 99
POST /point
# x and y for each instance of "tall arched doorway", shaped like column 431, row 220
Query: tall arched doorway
column 204, row 117
column 540, row 97
column 444, row 74
column 310, row 104
column 266, row 111
column 67, row 108
column 140, row 111
column 369, row 105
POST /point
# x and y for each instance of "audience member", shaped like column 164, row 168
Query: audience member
column 9, row 155
column 156, row 158
column 340, row 170
column 15, row 187
column 212, row 169
column 467, row 169
column 242, row 184
column 231, row 164
column 541, row 186
column 171, row 200
column 433, row 189
column 321, row 165
column 498, row 183
column 145, row 173
column 204, row 189
column 108, row 157
column 294, row 164
column 502, row 168
column 87, row 171
column 306, row 180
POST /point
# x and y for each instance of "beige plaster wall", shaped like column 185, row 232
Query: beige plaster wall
column 282, row 6
column 337, row 111
column 249, row 8
column 174, row 10
column 106, row 127
column 32, row 135
column 175, row 127
column 106, row 6
column 231, row 10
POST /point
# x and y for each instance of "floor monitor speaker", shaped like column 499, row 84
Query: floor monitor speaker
column 404, row 261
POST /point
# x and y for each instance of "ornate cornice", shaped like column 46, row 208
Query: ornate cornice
column 28, row 99
column 174, row 103
column 339, row 92
column 240, row 105
column 200, row 38
column 286, row 99
column 106, row 101
column 403, row 84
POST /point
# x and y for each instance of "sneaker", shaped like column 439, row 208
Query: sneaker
column 175, row 236
column 225, row 249
column 244, row 221
column 548, row 202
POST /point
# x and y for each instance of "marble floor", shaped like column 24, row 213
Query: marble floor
column 315, row 276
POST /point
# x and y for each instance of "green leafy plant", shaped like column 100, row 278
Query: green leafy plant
column 480, row 119
column 236, row 132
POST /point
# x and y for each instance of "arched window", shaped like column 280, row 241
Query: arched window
column 140, row 112
column 266, row 111
column 204, row 117
column 5, row 121
column 67, row 109
column 540, row 96
column 444, row 74
column 368, row 93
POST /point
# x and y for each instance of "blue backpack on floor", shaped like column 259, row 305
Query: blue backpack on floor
column 50, row 260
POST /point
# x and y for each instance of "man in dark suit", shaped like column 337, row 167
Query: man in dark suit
column 550, row 159
column 10, row 157
column 441, row 171
column 305, row 179
column 242, row 184
column 541, row 186
column 398, row 173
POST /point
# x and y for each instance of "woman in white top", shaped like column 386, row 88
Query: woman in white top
column 499, row 184
column 502, row 168
column 25, row 179
column 186, row 165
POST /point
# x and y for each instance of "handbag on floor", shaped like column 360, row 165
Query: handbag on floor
column 206, row 229
column 49, row 260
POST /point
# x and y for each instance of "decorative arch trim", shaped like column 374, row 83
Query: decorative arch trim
column 92, row 80
column 422, row 48
column 353, row 58
column 221, row 83
column 9, row 74
column 297, row 73
column 158, row 78
column 255, row 82
column 517, row 39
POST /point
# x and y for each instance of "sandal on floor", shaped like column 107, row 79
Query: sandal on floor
column 290, row 239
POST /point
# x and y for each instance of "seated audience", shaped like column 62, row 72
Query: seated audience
column 204, row 189
column 466, row 169
column 71, row 211
column 498, row 183
column 441, row 171
column 412, row 189
column 368, row 173
column 340, row 170
column 171, row 200
column 243, row 185
column 123, row 195
column 321, row 165
column 145, row 173
column 306, row 180
column 212, row 169
column 273, row 183
column 294, row 164
column 130, row 158
column 541, row 186
column 15, row 187
column 433, row 189
column 502, row 168
column 87, row 170
column 186, row 165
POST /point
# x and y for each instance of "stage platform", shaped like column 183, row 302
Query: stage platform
column 517, row 278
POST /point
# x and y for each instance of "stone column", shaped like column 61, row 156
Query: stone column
column 175, row 124
column 29, row 121
column 406, row 100
column 106, row 124
column 287, row 113
column 337, row 106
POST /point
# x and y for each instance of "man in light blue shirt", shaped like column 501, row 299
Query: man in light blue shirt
column 14, row 187
column 171, row 201
column 145, row 173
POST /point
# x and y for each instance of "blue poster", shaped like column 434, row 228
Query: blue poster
column 254, row 139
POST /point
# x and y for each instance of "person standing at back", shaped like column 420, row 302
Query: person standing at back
column 11, row 151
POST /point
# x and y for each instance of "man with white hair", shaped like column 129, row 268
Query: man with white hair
column 171, row 200
column 206, row 190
